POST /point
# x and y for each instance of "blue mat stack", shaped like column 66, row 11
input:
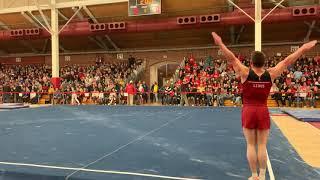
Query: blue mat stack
column 9, row 106
column 305, row 115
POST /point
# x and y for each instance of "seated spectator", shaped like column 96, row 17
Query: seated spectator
column 113, row 98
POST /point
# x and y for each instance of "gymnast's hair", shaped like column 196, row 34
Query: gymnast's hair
column 258, row 59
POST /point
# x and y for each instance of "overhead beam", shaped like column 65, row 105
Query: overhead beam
column 45, row 46
column 309, row 24
column 45, row 27
column 232, row 28
column 94, row 19
column 70, row 19
column 275, row 3
column 42, row 14
column 311, row 27
column 62, row 15
column 44, row 49
column 87, row 3
column 96, row 40
column 26, row 16
column 100, row 40
column 232, row 34
column 4, row 26
column 28, row 45
column 102, row 46
column 112, row 43
column 79, row 14
column 243, row 27
column 62, row 48
column 10, row 3
column 59, row 5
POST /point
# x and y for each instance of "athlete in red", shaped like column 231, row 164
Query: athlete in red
column 256, row 84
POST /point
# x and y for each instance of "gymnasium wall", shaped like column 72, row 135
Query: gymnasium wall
column 150, row 57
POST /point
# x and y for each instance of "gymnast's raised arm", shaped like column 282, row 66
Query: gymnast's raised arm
column 238, row 67
column 291, row 59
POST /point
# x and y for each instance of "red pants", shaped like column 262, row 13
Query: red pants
column 255, row 117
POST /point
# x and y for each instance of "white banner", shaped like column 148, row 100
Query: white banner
column 18, row 59
column 67, row 58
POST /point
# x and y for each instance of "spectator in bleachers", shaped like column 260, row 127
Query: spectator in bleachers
column 289, row 89
column 36, row 78
column 299, row 85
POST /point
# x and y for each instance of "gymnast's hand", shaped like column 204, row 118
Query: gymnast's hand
column 217, row 38
column 308, row 46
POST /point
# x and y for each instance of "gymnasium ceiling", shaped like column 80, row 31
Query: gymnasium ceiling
column 150, row 40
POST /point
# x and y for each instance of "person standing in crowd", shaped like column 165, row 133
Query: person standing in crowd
column 155, row 91
column 167, row 94
column 151, row 94
column 209, row 95
column 184, row 89
column 145, row 94
column 200, row 96
column 311, row 96
column 74, row 97
column 57, row 97
column 18, row 94
column 276, row 94
column 141, row 93
column 131, row 91
column 6, row 96
column 50, row 93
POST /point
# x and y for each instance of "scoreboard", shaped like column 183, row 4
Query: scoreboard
column 144, row 7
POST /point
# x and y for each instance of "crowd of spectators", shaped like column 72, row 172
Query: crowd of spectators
column 210, row 82
column 206, row 82
column 99, row 83
column 201, row 82
column 299, row 85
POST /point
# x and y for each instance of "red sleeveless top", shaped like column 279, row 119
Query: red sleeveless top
column 255, row 90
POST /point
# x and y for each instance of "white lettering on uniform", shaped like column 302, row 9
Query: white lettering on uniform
column 258, row 86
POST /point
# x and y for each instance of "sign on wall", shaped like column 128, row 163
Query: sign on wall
column 67, row 58
column 294, row 48
column 18, row 59
column 119, row 56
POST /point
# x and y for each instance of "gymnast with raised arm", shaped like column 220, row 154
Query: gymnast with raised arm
column 257, row 82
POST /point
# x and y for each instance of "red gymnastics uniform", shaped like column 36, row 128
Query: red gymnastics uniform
column 255, row 92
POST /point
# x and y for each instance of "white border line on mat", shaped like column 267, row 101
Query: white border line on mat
column 96, row 171
column 271, row 175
